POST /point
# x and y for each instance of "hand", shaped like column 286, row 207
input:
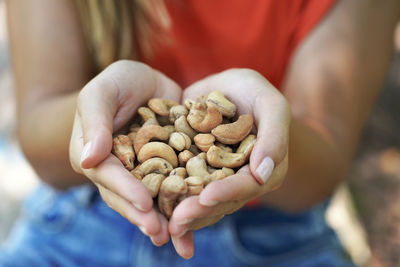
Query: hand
column 104, row 105
column 252, row 94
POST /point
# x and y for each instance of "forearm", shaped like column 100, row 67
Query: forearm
column 44, row 132
column 317, row 164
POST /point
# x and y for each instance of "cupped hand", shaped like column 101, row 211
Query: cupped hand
column 252, row 94
column 104, row 105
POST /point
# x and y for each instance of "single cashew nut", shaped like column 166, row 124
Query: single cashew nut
column 219, row 158
column 161, row 106
column 203, row 118
column 152, row 165
column 204, row 141
column 170, row 190
column 189, row 103
column 132, row 136
column 235, row 132
column 221, row 173
column 184, row 156
column 246, row 146
column 148, row 116
column 138, row 173
column 181, row 125
column 195, row 185
column 179, row 141
column 224, row 147
column 197, row 166
column 180, row 171
column 177, row 111
column 152, row 182
column 226, row 107
column 158, row 149
column 148, row 132
column 122, row 149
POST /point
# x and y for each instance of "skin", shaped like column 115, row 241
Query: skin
column 330, row 86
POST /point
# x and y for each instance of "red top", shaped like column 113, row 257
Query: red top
column 209, row 36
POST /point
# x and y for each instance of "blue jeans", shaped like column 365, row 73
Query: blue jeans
column 76, row 228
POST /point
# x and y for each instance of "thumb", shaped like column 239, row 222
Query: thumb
column 97, row 105
column 272, row 118
column 110, row 100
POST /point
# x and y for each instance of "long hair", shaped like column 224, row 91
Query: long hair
column 119, row 29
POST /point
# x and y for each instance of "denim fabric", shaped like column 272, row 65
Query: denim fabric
column 76, row 228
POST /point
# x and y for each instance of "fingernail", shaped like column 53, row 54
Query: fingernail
column 143, row 230
column 209, row 202
column 265, row 169
column 86, row 151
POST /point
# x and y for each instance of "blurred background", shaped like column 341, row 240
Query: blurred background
column 365, row 211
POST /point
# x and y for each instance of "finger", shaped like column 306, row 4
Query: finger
column 238, row 187
column 162, row 237
column 112, row 175
column 272, row 119
column 184, row 245
column 241, row 187
column 108, row 102
column 191, row 215
column 148, row 221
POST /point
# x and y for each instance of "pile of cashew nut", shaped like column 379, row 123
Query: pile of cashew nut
column 179, row 149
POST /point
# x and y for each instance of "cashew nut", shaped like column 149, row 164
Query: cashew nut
column 158, row 149
column 180, row 171
column 179, row 141
column 132, row 136
column 177, row 111
column 148, row 132
column 137, row 173
column 153, row 165
column 152, row 182
column 197, row 166
column 189, row 103
column 171, row 188
column 235, row 132
column 221, row 173
column 204, row 141
column 226, row 107
column 203, row 118
column 184, row 156
column 134, row 128
column 148, row 116
column 224, row 147
column 161, row 106
column 219, row 158
column 247, row 145
column 122, row 149
column 181, row 125
column 195, row 185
